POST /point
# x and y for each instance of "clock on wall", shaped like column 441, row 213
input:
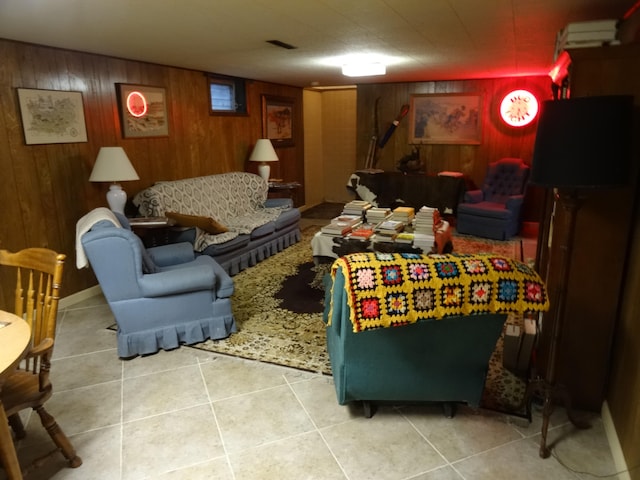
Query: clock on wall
column 519, row 108
column 137, row 104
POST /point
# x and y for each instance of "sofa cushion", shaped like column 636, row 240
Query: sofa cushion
column 261, row 231
column 287, row 217
column 485, row 209
column 216, row 249
column 207, row 224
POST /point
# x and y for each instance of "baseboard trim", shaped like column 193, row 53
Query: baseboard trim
column 78, row 297
column 614, row 444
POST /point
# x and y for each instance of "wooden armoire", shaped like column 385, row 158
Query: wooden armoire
column 604, row 225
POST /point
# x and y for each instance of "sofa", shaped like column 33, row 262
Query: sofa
column 161, row 297
column 407, row 327
column 225, row 216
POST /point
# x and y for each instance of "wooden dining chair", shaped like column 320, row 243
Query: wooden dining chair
column 38, row 279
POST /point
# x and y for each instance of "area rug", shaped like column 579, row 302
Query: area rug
column 468, row 244
column 278, row 307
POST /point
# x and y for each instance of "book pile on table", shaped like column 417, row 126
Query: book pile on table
column 341, row 225
column 356, row 207
column 423, row 228
column 403, row 214
column 387, row 230
column 376, row 215
column 361, row 232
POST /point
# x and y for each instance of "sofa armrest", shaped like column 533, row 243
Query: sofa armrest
column 473, row 196
column 172, row 254
column 172, row 282
column 278, row 203
column 514, row 202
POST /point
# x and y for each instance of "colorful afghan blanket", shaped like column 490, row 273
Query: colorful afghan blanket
column 393, row 289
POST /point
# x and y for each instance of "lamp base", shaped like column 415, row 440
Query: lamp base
column 264, row 170
column 116, row 198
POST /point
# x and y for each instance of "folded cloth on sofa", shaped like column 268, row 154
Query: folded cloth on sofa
column 207, row 224
column 394, row 289
column 84, row 225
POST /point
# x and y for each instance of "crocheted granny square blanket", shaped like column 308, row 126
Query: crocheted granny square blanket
column 393, row 289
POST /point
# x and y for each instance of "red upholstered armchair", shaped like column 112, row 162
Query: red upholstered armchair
column 494, row 211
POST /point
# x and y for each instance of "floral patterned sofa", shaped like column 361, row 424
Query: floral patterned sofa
column 226, row 216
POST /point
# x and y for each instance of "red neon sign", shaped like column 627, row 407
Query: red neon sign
column 137, row 104
column 519, row 108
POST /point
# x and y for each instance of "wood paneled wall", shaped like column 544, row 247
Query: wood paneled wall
column 498, row 140
column 45, row 188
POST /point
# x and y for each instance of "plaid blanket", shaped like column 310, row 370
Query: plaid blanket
column 393, row 289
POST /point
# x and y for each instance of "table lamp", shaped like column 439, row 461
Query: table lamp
column 263, row 152
column 581, row 144
column 113, row 165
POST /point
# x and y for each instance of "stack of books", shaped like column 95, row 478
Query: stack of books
column 376, row 215
column 341, row 225
column 361, row 232
column 404, row 237
column 403, row 214
column 424, row 226
column 356, row 207
column 387, row 230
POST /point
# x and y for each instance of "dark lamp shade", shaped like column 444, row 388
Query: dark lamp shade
column 583, row 142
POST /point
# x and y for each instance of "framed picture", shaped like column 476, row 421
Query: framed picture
column 446, row 118
column 52, row 116
column 143, row 111
column 277, row 120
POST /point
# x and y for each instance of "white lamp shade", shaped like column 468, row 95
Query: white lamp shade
column 264, row 152
column 112, row 165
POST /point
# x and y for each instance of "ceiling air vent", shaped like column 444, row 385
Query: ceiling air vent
column 280, row 44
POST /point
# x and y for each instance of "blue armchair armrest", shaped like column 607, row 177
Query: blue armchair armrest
column 514, row 202
column 473, row 196
column 172, row 254
column 172, row 282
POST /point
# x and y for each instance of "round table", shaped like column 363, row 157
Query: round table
column 14, row 341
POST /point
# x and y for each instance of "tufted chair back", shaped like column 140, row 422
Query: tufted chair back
column 505, row 177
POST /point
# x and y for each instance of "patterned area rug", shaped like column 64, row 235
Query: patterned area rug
column 278, row 309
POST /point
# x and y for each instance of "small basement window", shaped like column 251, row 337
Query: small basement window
column 227, row 96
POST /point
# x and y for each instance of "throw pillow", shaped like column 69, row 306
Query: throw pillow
column 207, row 224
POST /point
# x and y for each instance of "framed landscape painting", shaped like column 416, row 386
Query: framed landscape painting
column 446, row 118
column 277, row 120
column 52, row 116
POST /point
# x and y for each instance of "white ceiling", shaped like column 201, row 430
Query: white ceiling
column 420, row 39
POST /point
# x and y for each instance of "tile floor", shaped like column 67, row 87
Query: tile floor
column 189, row 414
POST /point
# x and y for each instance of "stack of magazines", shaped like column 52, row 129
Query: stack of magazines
column 341, row 225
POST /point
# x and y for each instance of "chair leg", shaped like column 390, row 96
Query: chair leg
column 58, row 437
column 16, row 425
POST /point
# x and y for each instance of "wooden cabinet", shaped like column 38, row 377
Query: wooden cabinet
column 601, row 248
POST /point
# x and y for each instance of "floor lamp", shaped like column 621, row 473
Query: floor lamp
column 581, row 144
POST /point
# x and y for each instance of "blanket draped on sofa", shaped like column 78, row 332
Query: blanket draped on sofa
column 242, row 212
column 385, row 290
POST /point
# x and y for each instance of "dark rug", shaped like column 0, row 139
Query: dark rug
column 301, row 292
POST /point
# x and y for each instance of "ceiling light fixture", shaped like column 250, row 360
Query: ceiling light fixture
column 363, row 69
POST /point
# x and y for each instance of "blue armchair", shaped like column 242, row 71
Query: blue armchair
column 494, row 211
column 160, row 297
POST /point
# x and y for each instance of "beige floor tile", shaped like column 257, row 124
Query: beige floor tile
column 442, row 473
column 163, row 360
column 318, row 396
column 217, row 469
column 229, row 377
column 99, row 450
column 85, row 370
column 168, row 442
column 303, row 456
column 86, row 408
column 163, row 392
column 383, row 447
column 266, row 416
column 518, row 459
column 85, row 331
column 467, row 433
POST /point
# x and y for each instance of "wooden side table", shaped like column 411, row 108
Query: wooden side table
column 14, row 342
column 153, row 231
column 284, row 190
